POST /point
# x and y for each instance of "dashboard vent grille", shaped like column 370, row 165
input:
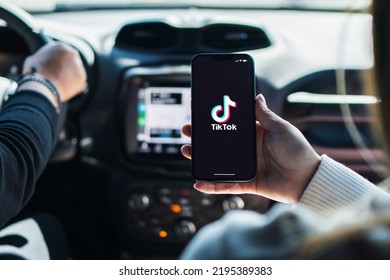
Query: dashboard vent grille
column 314, row 106
column 147, row 35
column 232, row 37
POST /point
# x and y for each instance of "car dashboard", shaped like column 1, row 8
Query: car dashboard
column 117, row 179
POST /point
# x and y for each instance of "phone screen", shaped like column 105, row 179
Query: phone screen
column 223, row 118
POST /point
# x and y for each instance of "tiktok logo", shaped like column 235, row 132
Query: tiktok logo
column 221, row 120
column 227, row 103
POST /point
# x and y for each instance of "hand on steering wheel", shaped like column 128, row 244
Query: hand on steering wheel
column 55, row 61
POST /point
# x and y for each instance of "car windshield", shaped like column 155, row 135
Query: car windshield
column 54, row 5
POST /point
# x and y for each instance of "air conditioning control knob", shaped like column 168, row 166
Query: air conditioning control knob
column 185, row 229
column 233, row 203
column 139, row 201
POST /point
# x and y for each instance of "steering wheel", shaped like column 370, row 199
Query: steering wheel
column 24, row 24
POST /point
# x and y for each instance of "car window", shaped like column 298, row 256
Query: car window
column 341, row 5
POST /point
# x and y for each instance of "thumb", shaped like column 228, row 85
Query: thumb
column 268, row 119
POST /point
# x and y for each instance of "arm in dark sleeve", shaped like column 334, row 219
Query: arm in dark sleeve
column 27, row 129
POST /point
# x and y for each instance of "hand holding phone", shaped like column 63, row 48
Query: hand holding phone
column 223, row 117
column 285, row 160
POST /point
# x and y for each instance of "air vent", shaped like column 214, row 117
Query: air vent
column 314, row 107
column 147, row 36
column 231, row 37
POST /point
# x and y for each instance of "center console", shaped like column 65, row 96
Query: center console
column 158, row 204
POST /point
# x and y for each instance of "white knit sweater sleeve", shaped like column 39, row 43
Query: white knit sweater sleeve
column 335, row 187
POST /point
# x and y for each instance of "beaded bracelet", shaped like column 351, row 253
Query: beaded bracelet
column 46, row 82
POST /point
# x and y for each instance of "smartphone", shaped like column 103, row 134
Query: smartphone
column 223, row 117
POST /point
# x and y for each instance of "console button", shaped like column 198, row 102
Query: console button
column 164, row 195
column 184, row 201
column 186, row 212
column 207, row 200
column 139, row 201
column 185, row 229
column 233, row 203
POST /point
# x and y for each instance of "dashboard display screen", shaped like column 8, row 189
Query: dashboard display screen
column 162, row 111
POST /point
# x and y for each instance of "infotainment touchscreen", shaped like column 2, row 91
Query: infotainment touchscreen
column 162, row 111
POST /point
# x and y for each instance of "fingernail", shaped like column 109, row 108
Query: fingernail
column 260, row 101
column 262, row 98
column 200, row 185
